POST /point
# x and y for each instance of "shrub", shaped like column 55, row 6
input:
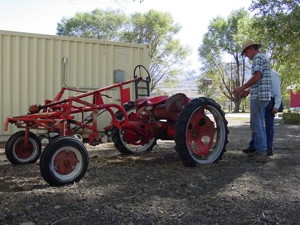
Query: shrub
column 291, row 118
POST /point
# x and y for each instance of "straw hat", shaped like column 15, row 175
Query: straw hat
column 248, row 44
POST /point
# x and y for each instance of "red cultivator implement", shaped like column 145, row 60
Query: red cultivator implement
column 198, row 127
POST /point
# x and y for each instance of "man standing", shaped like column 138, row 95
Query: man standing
column 273, row 107
column 260, row 95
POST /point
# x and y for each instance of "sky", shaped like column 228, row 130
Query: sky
column 42, row 16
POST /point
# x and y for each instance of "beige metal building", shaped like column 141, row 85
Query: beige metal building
column 34, row 67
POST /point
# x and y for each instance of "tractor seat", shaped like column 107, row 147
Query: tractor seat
column 149, row 101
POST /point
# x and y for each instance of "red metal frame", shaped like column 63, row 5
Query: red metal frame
column 58, row 114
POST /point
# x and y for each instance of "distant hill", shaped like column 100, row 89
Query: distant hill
column 187, row 86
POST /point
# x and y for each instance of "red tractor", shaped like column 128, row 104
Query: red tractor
column 197, row 125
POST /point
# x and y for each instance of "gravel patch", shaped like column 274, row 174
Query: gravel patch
column 155, row 188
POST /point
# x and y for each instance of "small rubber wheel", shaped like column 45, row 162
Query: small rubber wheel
column 44, row 139
column 17, row 152
column 64, row 161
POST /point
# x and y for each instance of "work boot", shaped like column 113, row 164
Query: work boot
column 269, row 152
column 259, row 158
column 249, row 150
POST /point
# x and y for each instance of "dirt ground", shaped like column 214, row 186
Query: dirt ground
column 155, row 188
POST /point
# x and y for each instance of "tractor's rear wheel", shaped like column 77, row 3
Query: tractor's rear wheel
column 64, row 161
column 19, row 152
column 201, row 132
column 118, row 136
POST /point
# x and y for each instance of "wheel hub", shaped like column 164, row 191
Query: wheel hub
column 65, row 162
column 200, row 134
column 24, row 151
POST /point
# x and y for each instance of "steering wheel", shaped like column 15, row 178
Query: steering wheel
column 138, row 70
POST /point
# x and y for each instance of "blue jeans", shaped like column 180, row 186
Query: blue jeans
column 269, row 123
column 257, row 119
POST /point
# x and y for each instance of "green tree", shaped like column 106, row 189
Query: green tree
column 98, row 24
column 158, row 29
column 277, row 24
column 223, row 39
column 153, row 28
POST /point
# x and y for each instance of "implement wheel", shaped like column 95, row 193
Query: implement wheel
column 64, row 161
column 201, row 132
column 17, row 152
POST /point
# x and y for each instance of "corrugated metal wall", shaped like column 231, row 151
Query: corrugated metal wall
column 34, row 67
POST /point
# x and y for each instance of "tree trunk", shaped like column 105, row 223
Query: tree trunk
column 237, row 103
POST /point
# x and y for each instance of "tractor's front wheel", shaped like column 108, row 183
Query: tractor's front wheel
column 201, row 132
column 119, row 136
column 18, row 151
column 64, row 161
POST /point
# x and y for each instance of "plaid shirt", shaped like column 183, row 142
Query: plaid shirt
column 262, row 89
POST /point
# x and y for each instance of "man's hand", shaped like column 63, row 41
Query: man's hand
column 244, row 94
column 253, row 80
column 238, row 90
column 274, row 110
